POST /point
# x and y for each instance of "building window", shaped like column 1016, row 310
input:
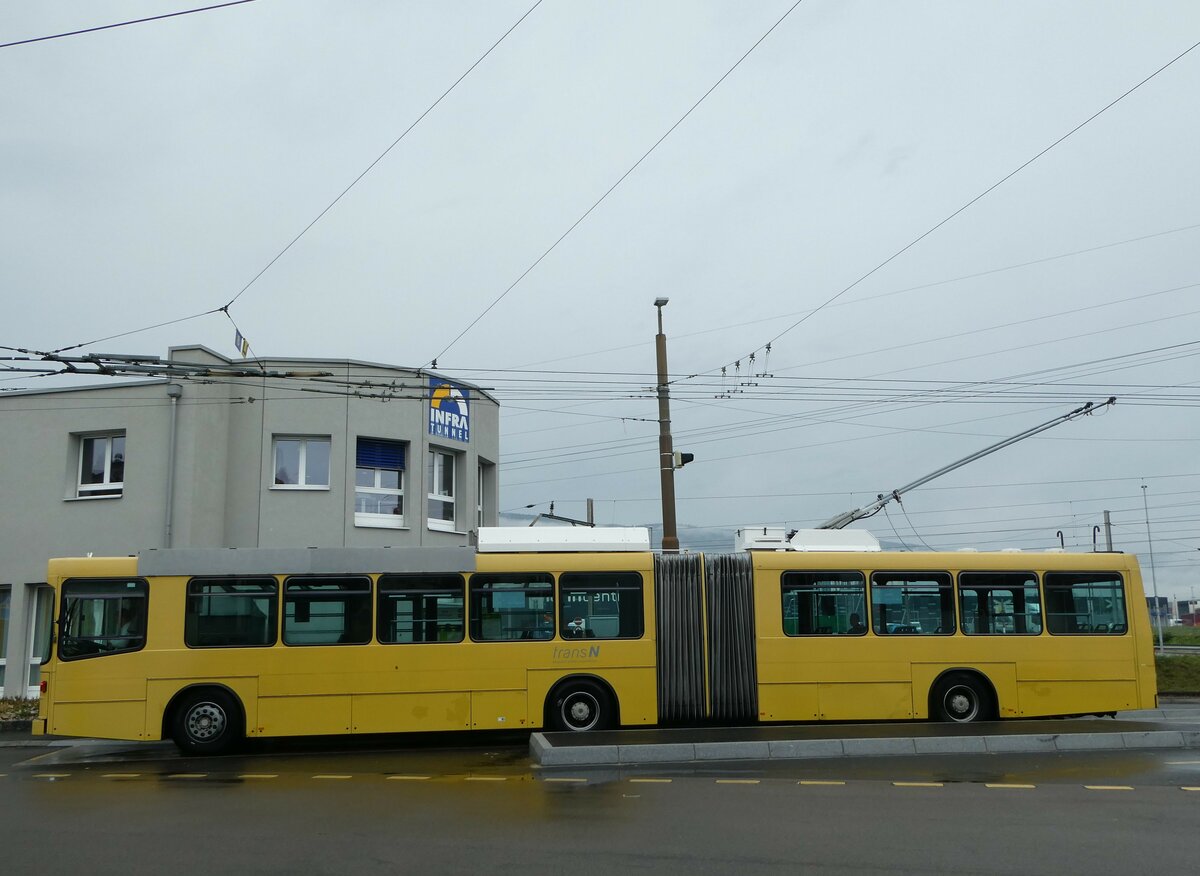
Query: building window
column 5, row 600
column 824, row 604
column 479, row 498
column 379, row 484
column 41, row 623
column 912, row 604
column 441, row 479
column 101, row 465
column 301, row 463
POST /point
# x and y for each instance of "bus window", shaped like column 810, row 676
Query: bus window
column 600, row 605
column 420, row 608
column 101, row 617
column 327, row 611
column 1085, row 603
column 824, row 603
column 912, row 603
column 231, row 613
column 999, row 603
column 507, row 606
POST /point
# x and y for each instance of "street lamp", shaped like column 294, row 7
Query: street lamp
column 666, row 453
column 1153, row 577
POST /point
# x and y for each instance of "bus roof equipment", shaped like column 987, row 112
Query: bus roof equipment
column 562, row 539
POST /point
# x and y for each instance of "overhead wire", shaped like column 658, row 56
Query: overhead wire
column 968, row 204
column 58, row 36
column 613, row 187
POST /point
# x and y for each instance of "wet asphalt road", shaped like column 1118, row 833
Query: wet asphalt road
column 478, row 806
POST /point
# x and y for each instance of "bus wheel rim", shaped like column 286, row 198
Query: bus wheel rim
column 580, row 711
column 205, row 721
column 961, row 703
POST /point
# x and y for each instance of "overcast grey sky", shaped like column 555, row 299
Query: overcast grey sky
column 149, row 172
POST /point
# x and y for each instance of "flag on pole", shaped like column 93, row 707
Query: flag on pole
column 241, row 343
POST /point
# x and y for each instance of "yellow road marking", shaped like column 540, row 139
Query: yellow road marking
column 258, row 776
column 819, row 782
column 487, row 778
column 340, row 776
column 51, row 775
column 1109, row 787
column 120, row 775
column 407, row 778
column 917, row 784
column 1182, row 762
column 558, row 779
column 737, row 781
column 1004, row 785
column 652, row 781
column 1186, row 788
column 187, row 775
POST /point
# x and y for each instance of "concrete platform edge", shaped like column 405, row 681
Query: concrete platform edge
column 546, row 754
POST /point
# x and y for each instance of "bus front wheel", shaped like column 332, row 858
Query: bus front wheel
column 582, row 705
column 961, row 698
column 206, row 722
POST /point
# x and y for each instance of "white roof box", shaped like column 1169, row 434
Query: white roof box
column 833, row 540
column 760, row 538
column 775, row 538
column 560, row 539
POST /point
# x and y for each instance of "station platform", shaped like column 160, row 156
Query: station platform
column 1171, row 727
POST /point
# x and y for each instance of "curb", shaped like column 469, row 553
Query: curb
column 16, row 726
column 545, row 754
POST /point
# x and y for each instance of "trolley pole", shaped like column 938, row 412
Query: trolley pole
column 666, row 453
column 1153, row 577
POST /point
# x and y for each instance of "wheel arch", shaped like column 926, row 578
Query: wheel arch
column 168, row 714
column 575, row 678
column 989, row 687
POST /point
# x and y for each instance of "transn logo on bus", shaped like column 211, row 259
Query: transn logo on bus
column 590, row 653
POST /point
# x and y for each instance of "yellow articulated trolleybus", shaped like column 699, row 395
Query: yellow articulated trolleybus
column 584, row 629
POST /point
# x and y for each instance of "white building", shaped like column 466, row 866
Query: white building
column 364, row 455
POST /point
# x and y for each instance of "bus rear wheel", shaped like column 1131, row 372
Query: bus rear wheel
column 207, row 722
column 961, row 698
column 580, row 706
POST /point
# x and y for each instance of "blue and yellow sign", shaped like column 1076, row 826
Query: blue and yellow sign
column 449, row 413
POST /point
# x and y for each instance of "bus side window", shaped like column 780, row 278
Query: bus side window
column 1083, row 603
column 600, row 605
column 420, row 608
column 231, row 612
column 102, row 617
column 912, row 603
column 823, row 603
column 327, row 611
column 512, row 606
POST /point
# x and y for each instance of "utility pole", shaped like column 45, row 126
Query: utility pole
column 1153, row 578
column 666, row 454
column 1108, row 532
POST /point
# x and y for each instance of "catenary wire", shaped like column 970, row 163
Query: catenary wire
column 974, row 200
column 58, row 36
column 613, row 187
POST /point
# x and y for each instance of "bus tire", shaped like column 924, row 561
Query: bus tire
column 207, row 721
column 961, row 698
column 580, row 706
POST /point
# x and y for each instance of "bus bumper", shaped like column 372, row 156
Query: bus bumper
column 39, row 727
